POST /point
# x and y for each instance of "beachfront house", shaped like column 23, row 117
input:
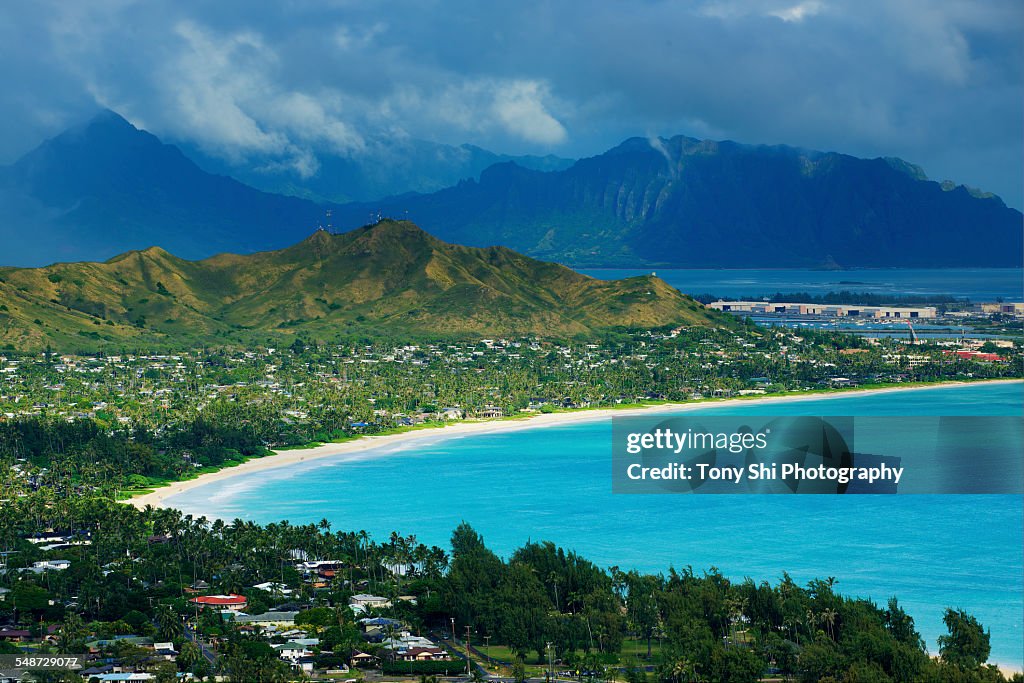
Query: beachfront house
column 492, row 412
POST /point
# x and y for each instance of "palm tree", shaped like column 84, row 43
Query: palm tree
column 684, row 671
column 790, row 626
column 202, row 669
column 736, row 607
column 189, row 655
column 828, row 617
column 72, row 634
column 168, row 622
column 553, row 580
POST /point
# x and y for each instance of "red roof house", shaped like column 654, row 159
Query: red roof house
column 231, row 602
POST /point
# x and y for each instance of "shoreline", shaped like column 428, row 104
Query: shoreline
column 285, row 458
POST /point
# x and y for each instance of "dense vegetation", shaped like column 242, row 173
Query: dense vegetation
column 689, row 625
column 76, row 430
column 110, row 423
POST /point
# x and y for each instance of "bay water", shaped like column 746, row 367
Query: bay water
column 554, row 483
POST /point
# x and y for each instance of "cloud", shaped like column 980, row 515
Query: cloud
column 735, row 9
column 307, row 118
column 938, row 83
column 358, row 38
column 797, row 12
column 222, row 90
column 213, row 85
column 519, row 106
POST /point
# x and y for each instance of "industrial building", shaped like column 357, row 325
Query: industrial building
column 832, row 310
column 1005, row 308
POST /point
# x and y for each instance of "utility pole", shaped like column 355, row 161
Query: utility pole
column 468, row 660
column 487, row 644
column 551, row 673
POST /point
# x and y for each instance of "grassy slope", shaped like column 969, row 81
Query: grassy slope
column 390, row 276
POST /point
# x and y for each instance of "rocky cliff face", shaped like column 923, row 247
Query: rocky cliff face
column 696, row 203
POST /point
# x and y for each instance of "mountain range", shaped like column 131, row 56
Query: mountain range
column 106, row 187
column 690, row 203
column 387, row 277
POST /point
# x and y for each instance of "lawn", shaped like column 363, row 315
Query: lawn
column 633, row 652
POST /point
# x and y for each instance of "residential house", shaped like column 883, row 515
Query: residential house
column 423, row 654
column 492, row 412
column 362, row 602
column 292, row 652
column 235, row 603
column 165, row 651
column 273, row 587
column 49, row 565
column 14, row 635
column 271, row 618
column 362, row 659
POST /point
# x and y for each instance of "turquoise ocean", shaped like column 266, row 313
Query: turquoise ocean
column 553, row 483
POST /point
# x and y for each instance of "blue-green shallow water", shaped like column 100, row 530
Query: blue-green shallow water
column 554, row 484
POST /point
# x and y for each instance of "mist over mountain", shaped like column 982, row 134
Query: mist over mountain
column 696, row 203
column 105, row 187
column 383, row 167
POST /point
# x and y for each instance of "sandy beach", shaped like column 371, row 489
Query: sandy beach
column 286, row 458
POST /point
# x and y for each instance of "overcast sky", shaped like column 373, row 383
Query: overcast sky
column 937, row 83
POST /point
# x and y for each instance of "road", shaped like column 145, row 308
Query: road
column 208, row 654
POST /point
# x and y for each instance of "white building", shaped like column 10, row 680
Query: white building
column 363, row 602
column 836, row 310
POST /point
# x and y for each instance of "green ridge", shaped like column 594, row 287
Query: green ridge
column 390, row 277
